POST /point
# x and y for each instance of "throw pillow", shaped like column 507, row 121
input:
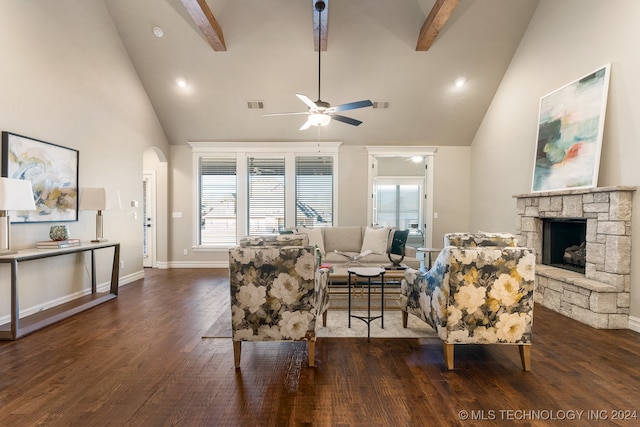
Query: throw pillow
column 375, row 240
column 315, row 237
column 397, row 241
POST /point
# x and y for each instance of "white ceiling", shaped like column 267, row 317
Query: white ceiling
column 371, row 55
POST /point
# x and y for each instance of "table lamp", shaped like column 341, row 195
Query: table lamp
column 99, row 199
column 15, row 195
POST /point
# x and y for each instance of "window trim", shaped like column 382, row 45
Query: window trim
column 243, row 150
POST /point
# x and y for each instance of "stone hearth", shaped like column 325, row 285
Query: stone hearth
column 600, row 297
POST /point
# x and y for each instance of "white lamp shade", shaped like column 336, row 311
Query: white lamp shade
column 319, row 119
column 99, row 199
column 16, row 195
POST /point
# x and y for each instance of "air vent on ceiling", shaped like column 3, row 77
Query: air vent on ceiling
column 255, row 105
column 382, row 105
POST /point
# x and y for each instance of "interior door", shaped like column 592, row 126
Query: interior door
column 148, row 222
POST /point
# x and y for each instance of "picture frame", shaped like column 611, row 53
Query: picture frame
column 569, row 137
column 53, row 172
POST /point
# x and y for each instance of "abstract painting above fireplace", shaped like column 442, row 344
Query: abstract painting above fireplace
column 570, row 128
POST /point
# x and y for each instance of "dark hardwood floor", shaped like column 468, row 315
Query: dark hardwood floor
column 140, row 361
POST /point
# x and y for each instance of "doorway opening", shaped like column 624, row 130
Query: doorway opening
column 400, row 181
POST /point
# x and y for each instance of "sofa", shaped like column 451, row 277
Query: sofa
column 277, row 291
column 480, row 290
column 339, row 246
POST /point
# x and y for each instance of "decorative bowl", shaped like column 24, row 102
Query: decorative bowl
column 59, row 232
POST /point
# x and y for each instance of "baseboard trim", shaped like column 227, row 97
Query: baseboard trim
column 132, row 277
column 101, row 287
column 634, row 323
column 196, row 264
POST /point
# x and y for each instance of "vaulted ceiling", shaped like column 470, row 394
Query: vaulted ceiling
column 232, row 52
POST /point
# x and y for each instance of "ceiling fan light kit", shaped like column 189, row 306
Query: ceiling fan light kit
column 319, row 119
column 320, row 112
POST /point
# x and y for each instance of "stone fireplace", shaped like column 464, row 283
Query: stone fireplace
column 597, row 293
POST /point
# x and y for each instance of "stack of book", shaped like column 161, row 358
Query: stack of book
column 54, row 244
column 328, row 266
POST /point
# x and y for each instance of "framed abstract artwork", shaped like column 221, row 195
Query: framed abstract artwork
column 569, row 140
column 53, row 172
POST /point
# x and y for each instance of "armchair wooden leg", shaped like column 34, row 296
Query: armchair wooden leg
column 448, row 355
column 237, row 347
column 405, row 318
column 324, row 318
column 525, row 357
column 312, row 352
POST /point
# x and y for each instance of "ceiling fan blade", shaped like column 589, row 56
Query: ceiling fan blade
column 306, row 125
column 284, row 114
column 306, row 100
column 347, row 120
column 351, row 106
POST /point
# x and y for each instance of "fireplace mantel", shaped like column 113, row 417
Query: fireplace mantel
column 600, row 297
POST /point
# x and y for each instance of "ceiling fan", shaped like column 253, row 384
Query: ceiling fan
column 320, row 112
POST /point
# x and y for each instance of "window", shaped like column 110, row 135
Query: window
column 217, row 193
column 261, row 189
column 399, row 205
column 314, row 191
column 265, row 195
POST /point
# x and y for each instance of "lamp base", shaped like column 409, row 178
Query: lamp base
column 7, row 252
column 98, row 240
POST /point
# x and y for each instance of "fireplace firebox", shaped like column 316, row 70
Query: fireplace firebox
column 564, row 243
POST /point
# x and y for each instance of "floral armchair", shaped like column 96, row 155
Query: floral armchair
column 479, row 291
column 277, row 291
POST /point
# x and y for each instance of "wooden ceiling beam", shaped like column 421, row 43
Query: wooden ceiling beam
column 204, row 19
column 324, row 20
column 440, row 13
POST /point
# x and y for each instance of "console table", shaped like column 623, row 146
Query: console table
column 19, row 327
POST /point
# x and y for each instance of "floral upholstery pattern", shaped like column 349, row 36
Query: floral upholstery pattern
column 480, row 239
column 475, row 294
column 276, row 240
column 277, row 293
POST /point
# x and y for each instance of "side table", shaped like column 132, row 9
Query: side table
column 368, row 273
column 427, row 255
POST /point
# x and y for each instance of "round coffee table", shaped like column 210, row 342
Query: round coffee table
column 368, row 273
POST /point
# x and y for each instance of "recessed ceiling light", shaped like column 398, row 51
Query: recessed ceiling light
column 460, row 81
column 182, row 83
column 157, row 31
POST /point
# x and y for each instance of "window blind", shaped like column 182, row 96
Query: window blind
column 265, row 195
column 314, row 191
column 217, row 193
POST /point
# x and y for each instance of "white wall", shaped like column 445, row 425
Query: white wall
column 66, row 78
column 565, row 41
column 452, row 192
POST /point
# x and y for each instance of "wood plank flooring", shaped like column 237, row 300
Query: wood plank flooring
column 140, row 361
